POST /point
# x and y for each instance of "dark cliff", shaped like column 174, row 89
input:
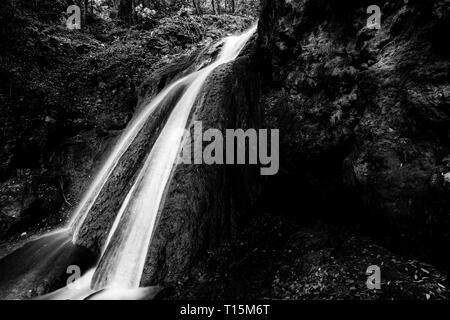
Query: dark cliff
column 364, row 116
column 364, row 127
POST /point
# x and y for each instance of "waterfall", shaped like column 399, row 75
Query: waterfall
column 125, row 251
column 118, row 151
column 123, row 261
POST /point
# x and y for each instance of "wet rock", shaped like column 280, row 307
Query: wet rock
column 95, row 229
column 40, row 266
column 205, row 204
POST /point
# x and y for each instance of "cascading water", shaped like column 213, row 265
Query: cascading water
column 110, row 164
column 125, row 250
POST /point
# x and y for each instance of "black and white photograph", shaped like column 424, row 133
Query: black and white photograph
column 220, row 157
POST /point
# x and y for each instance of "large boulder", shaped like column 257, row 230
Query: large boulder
column 205, row 204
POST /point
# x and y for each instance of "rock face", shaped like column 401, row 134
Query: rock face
column 26, row 199
column 204, row 204
column 95, row 229
column 98, row 222
column 364, row 113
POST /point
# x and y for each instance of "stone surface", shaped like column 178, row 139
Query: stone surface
column 364, row 114
column 204, row 204
column 26, row 199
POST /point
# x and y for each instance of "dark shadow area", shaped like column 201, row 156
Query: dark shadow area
column 41, row 266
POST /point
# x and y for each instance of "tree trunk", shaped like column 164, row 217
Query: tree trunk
column 213, row 4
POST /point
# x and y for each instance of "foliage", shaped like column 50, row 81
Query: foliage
column 136, row 11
